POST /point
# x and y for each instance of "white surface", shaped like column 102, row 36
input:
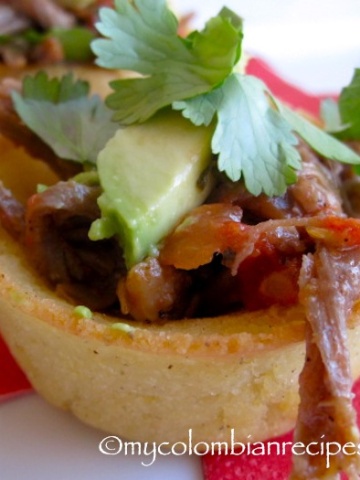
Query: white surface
column 38, row 442
column 315, row 44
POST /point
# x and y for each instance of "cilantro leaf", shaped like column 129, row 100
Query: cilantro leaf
column 318, row 139
column 43, row 88
column 75, row 42
column 254, row 135
column 200, row 109
column 142, row 37
column 342, row 118
column 62, row 114
column 252, row 139
column 330, row 115
column 349, row 107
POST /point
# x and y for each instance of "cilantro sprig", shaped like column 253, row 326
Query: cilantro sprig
column 61, row 112
column 349, row 106
column 342, row 118
column 243, row 117
column 141, row 36
column 254, row 133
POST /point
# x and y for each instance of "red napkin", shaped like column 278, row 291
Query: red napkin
column 217, row 467
column 284, row 90
column 258, row 467
column 12, row 379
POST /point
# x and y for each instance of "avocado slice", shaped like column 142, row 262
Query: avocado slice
column 151, row 174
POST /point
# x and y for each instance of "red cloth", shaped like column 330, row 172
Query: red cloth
column 284, row 90
column 258, row 467
column 12, row 379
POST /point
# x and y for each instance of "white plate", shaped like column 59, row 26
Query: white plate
column 39, row 442
column 316, row 46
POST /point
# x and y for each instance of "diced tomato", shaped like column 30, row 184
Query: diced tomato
column 263, row 261
column 208, row 230
column 335, row 231
column 267, row 277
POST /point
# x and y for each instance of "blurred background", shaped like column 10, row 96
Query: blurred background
column 312, row 43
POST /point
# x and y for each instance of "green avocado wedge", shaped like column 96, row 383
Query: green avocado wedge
column 151, row 174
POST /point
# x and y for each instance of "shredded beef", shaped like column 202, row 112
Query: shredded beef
column 153, row 292
column 231, row 265
column 217, row 229
column 12, row 213
column 11, row 21
column 18, row 50
column 329, row 285
column 56, row 240
column 45, row 13
column 255, row 209
column 351, row 194
column 315, row 192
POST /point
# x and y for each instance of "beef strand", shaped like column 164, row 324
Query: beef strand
column 316, row 192
column 12, row 213
column 45, row 13
column 329, row 285
column 56, row 239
